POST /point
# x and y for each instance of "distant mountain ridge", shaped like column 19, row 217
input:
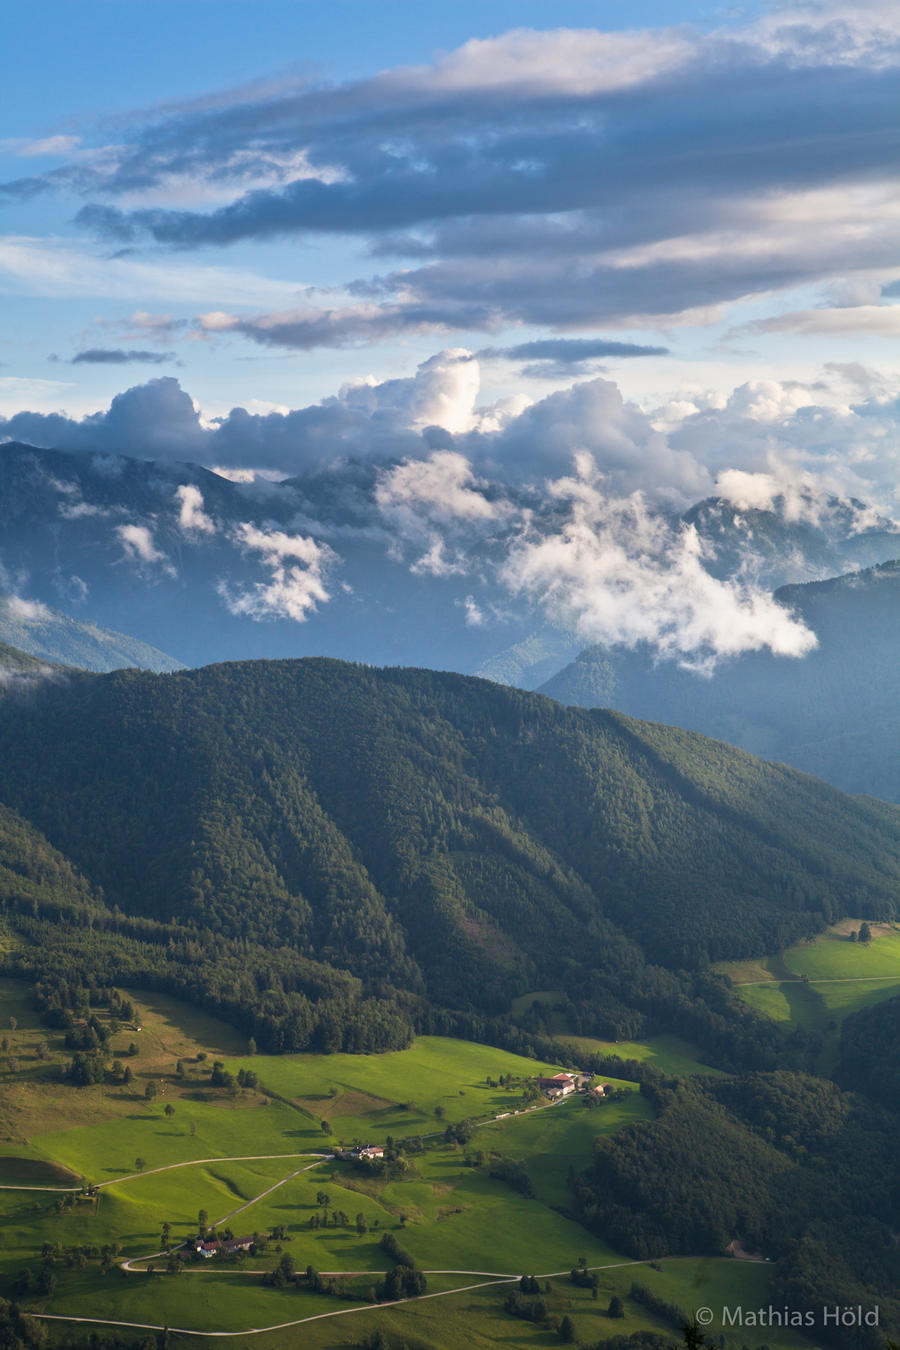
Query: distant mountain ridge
column 836, row 713
column 48, row 635
column 201, row 566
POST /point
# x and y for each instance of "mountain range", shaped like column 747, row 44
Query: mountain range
column 343, row 562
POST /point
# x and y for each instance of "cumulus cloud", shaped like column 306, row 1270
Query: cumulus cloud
column 156, row 420
column 191, row 516
column 441, row 487
column 593, row 416
column 137, row 543
column 296, row 586
column 451, row 490
column 619, row 574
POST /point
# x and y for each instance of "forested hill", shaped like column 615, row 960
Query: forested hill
column 278, row 836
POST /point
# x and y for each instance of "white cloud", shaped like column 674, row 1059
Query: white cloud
column 137, row 542
column 29, row 611
column 435, row 563
column 49, row 145
column 618, row 574
column 191, row 516
column 474, row 613
column 441, row 487
column 296, row 587
column 875, row 320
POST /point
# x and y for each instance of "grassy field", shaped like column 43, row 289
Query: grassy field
column 815, row 985
column 669, row 1054
column 473, row 1317
column 451, row 1215
column 402, row 1093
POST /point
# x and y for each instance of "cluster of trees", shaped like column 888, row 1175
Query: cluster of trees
column 869, row 1058
column 514, row 1174
column 660, row 1307
column 769, row 1159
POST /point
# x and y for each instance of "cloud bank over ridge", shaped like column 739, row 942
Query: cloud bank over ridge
column 570, row 502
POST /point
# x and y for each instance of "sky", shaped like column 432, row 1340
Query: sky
column 270, row 235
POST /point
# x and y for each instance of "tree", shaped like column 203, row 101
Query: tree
column 127, row 1075
column 325, row 1126
column 566, row 1330
column 165, row 1234
column 865, row 933
column 139, row 1164
column 170, row 1110
column 251, row 1046
column 616, row 1307
column 151, row 1090
column 202, row 1220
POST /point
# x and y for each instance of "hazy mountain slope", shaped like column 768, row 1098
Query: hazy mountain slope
column 202, row 566
column 49, row 635
column 193, row 584
column 16, row 662
column 781, row 551
column 836, row 713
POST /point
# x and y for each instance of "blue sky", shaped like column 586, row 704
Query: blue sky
column 268, row 200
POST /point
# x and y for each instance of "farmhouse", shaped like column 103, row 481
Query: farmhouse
column 367, row 1151
column 208, row 1249
column 560, row 1085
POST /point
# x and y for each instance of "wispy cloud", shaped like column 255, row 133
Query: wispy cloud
column 574, row 179
column 61, row 269
column 118, row 356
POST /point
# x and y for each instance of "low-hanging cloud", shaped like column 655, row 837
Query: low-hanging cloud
column 453, row 490
column 192, row 518
column 296, row 584
column 139, row 547
column 619, row 574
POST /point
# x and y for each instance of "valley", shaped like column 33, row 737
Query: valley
column 464, row 1228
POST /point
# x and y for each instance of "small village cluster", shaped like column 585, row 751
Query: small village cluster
column 555, row 1087
column 561, row 1084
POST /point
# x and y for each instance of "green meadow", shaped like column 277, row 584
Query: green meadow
column 669, row 1054
column 445, row 1208
column 436, row 1082
column 815, row 985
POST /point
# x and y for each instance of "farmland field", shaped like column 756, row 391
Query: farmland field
column 815, row 985
column 192, row 1148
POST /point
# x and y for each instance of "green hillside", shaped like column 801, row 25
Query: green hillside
column 336, row 857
